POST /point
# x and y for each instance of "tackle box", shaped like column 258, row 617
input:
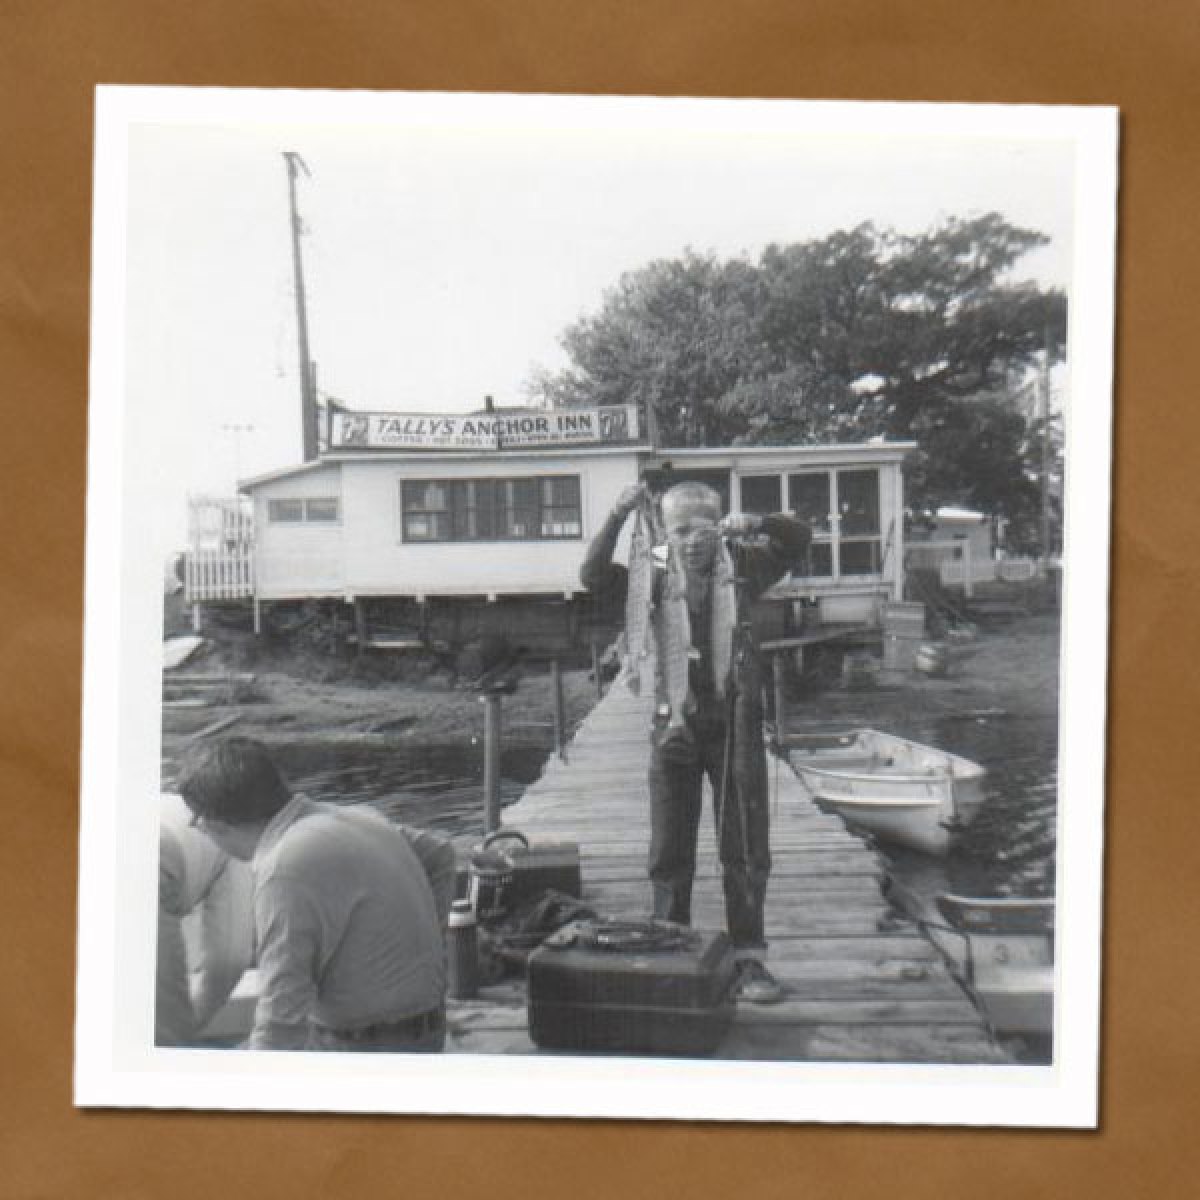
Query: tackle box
column 631, row 987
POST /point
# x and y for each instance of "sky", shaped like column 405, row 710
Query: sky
column 443, row 259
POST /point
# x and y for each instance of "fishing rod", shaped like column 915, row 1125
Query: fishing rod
column 734, row 546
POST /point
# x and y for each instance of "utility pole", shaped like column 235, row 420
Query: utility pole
column 308, row 391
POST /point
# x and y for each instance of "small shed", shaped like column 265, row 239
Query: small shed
column 954, row 524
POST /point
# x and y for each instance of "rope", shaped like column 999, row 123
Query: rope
column 965, row 978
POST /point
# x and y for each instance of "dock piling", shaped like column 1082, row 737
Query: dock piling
column 491, row 761
column 560, row 717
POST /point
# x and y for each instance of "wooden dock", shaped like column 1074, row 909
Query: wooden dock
column 863, row 985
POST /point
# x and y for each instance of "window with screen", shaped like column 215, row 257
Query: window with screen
column 841, row 507
column 489, row 510
column 315, row 510
column 560, row 512
column 858, row 522
column 810, row 498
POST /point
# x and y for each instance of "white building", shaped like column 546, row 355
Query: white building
column 502, row 505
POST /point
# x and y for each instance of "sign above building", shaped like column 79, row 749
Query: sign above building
column 516, row 429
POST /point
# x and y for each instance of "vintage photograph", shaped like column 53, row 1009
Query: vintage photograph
column 596, row 606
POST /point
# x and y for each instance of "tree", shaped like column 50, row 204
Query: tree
column 675, row 335
column 862, row 333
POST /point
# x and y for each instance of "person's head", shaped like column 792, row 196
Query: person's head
column 233, row 789
column 690, row 513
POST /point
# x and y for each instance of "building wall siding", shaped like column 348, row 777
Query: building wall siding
column 378, row 561
column 364, row 554
column 300, row 559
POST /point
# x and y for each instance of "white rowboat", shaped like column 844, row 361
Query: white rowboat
column 896, row 789
column 1004, row 948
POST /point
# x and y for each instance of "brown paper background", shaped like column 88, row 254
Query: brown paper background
column 1143, row 57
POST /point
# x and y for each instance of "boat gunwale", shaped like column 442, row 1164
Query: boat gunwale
column 884, row 804
column 935, row 776
column 957, row 768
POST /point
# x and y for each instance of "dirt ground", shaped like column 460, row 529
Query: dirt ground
column 279, row 705
column 1006, row 669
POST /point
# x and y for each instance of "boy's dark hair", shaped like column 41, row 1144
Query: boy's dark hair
column 234, row 780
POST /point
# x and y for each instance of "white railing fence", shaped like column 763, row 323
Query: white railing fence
column 219, row 564
column 219, row 575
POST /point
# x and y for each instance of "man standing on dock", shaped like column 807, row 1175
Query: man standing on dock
column 720, row 736
column 350, row 948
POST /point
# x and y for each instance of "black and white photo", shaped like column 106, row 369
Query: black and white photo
column 596, row 606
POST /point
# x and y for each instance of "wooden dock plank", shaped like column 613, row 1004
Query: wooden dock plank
column 861, row 985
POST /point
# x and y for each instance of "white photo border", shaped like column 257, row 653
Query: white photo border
column 116, row 1064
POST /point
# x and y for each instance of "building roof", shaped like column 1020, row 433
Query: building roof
column 281, row 473
column 835, row 452
column 871, row 449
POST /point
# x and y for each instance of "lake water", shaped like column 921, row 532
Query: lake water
column 1010, row 849
column 434, row 786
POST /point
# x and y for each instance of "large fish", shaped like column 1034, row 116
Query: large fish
column 723, row 617
column 639, row 603
column 674, row 639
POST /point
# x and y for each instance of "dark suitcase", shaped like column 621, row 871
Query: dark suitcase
column 622, row 987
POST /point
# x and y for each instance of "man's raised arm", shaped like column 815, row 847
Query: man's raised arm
column 598, row 573
column 788, row 539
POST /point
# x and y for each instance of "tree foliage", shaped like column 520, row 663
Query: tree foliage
column 864, row 333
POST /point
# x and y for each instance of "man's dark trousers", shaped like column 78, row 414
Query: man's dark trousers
column 678, row 765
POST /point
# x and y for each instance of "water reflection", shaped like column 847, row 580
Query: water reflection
column 431, row 786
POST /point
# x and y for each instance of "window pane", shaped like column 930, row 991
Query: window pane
column 417, row 528
column 422, row 495
column 523, row 493
column 762, row 493
column 321, row 509
column 809, row 499
column 858, row 500
column 522, row 523
column 429, row 495
column 491, row 509
column 820, row 561
column 285, row 510
column 487, row 525
column 561, row 522
column 860, row 558
column 561, row 492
